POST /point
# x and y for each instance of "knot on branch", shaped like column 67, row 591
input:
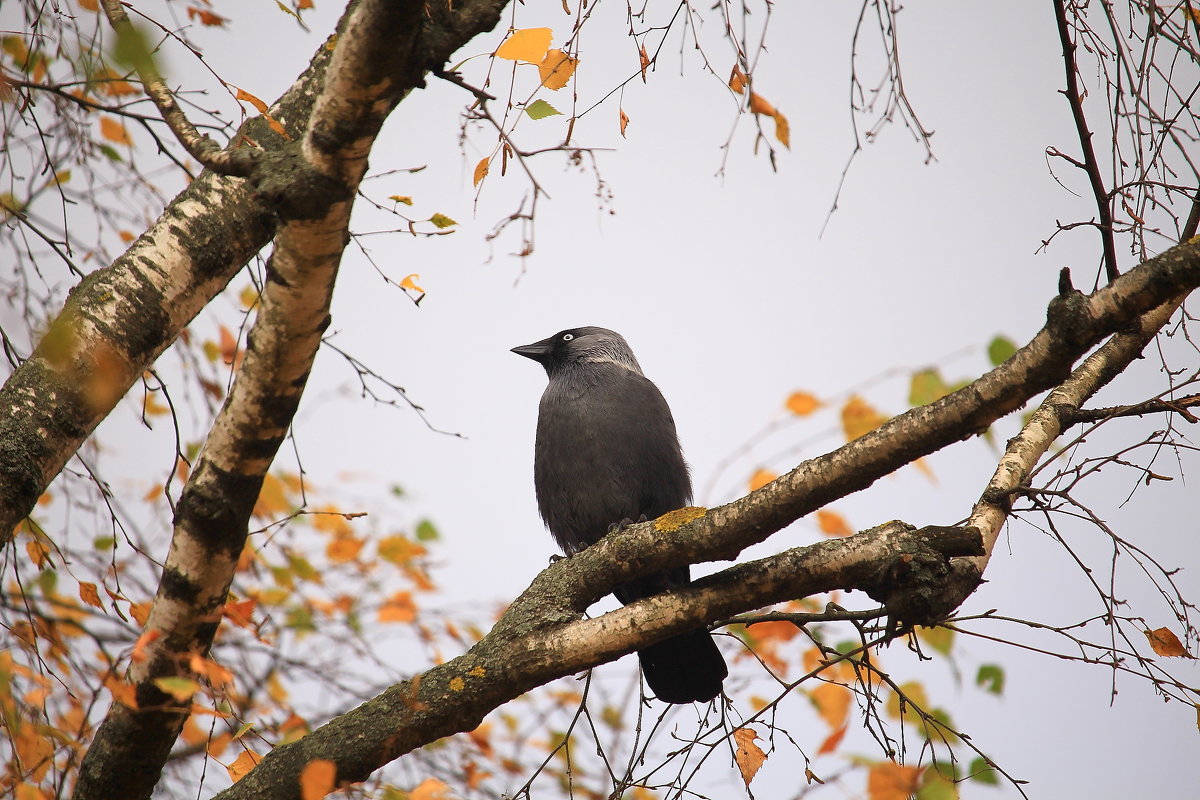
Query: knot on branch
column 1067, row 316
column 921, row 586
column 295, row 189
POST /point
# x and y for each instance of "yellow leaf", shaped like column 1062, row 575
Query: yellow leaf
column 761, row 478
column 89, row 5
column 832, row 523
column 317, row 779
column 114, row 131
column 1164, row 642
column 245, row 762
column 528, row 44
column 441, row 221
column 624, row 119
column 275, row 689
column 39, row 554
column 859, row 417
column 400, row 198
column 430, row 789
column 481, row 169
column 912, row 691
column 248, row 297
column 400, row 550
column 89, row 594
column 151, row 406
column 749, row 756
column 889, row 781
column 556, row 69
column 410, row 281
column 783, row 131
column 802, row 403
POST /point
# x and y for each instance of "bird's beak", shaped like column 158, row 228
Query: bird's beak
column 538, row 351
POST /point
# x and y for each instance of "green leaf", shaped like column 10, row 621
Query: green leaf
column 47, row 581
column 1000, row 350
column 133, row 50
column 991, row 678
column 104, row 542
column 181, row 689
column 427, row 531
column 927, row 386
column 939, row 638
column 982, row 772
column 299, row 619
column 442, row 221
column 935, row 787
column 540, row 109
column 110, row 153
column 303, row 569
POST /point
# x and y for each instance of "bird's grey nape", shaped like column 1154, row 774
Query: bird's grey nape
column 602, row 346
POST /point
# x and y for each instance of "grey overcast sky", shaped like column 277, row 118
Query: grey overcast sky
column 732, row 298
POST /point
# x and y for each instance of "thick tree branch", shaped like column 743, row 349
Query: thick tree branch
column 541, row 635
column 317, row 185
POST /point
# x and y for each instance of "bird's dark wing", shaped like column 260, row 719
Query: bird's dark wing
column 606, row 452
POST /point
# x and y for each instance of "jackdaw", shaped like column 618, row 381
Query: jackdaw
column 607, row 453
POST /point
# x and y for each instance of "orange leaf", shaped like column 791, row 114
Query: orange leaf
column 205, row 17
column 210, row 670
column 228, row 345
column 343, row 550
column 410, row 281
column 400, row 550
column 761, row 478
column 529, row 44
column 481, row 169
column 802, row 403
column 783, row 131
column 889, row 781
column 240, row 613
column 89, row 5
column 245, row 762
column 859, row 417
column 556, row 69
column 832, row 523
column 317, row 779
column 624, row 121
column 242, row 94
column 114, row 131
column 430, row 789
column 644, row 60
column 832, row 741
column 121, row 691
column 1164, row 642
column 34, row 751
column 749, row 756
column 777, row 630
column 140, row 612
column 398, row 608
column 759, row 105
column 737, row 80
column 143, row 641
column 833, row 703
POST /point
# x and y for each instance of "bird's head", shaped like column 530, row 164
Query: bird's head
column 581, row 345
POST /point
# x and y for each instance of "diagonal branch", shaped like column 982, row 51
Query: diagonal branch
column 542, row 636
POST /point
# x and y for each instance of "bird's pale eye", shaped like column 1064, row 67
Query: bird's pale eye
column 568, row 337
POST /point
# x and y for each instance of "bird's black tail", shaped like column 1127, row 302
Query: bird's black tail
column 686, row 669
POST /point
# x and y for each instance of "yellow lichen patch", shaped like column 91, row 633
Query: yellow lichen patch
column 674, row 520
column 477, row 672
column 457, row 684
